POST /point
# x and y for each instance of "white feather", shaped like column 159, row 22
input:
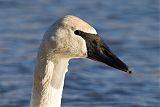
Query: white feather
column 58, row 46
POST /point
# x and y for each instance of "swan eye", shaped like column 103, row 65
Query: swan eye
column 78, row 32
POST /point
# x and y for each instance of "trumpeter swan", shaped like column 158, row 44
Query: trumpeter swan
column 70, row 37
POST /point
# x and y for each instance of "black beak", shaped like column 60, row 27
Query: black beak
column 99, row 51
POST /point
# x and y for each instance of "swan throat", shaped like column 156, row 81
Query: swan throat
column 48, row 83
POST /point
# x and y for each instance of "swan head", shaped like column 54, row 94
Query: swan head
column 71, row 37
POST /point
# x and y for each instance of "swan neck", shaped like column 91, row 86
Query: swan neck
column 48, row 81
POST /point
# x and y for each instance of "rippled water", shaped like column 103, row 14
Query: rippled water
column 131, row 28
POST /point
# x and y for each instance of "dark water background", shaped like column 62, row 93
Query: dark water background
column 130, row 27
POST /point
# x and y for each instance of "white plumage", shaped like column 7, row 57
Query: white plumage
column 58, row 46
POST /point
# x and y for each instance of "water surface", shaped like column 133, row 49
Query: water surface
column 131, row 29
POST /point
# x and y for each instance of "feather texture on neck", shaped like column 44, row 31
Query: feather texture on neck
column 48, row 82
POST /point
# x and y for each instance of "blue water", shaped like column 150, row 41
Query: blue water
column 130, row 27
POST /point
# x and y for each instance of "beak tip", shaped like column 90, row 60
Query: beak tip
column 129, row 71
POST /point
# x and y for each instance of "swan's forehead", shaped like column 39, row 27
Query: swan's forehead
column 75, row 23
